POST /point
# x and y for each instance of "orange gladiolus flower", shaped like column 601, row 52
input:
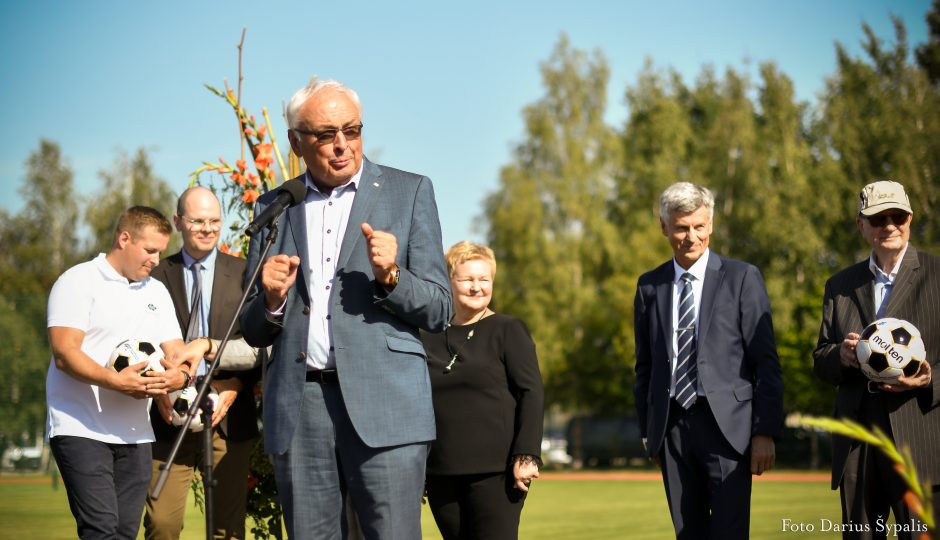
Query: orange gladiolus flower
column 261, row 131
column 914, row 503
column 238, row 179
column 264, row 155
column 254, row 179
column 223, row 247
column 250, row 196
column 241, row 164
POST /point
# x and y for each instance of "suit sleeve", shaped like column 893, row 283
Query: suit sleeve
column 522, row 370
column 422, row 296
column 257, row 329
column 643, row 365
column 760, row 349
column 826, row 361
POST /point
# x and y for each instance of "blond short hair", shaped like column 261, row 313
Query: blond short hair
column 464, row 251
column 136, row 218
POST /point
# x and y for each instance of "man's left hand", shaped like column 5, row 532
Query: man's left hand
column 382, row 250
column 228, row 391
column 919, row 380
column 763, row 454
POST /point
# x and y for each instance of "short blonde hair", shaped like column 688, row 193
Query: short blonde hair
column 136, row 218
column 464, row 251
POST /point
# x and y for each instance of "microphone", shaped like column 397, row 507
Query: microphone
column 291, row 193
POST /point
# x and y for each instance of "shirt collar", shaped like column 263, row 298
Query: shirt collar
column 697, row 269
column 879, row 273
column 207, row 262
column 352, row 184
column 111, row 274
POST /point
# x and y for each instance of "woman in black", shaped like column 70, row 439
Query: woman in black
column 488, row 401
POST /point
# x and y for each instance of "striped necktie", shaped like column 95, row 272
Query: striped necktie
column 686, row 368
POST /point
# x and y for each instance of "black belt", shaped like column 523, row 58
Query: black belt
column 322, row 376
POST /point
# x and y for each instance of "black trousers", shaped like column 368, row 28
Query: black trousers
column 708, row 483
column 476, row 506
column 106, row 484
column 871, row 487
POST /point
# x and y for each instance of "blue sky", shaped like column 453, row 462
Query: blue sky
column 443, row 84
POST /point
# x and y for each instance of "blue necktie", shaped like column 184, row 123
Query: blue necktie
column 196, row 328
column 686, row 368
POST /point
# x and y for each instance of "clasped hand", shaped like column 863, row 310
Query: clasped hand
column 849, row 358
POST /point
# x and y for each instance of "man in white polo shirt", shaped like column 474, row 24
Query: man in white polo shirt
column 98, row 421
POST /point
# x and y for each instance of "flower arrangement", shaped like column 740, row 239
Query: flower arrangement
column 918, row 495
column 241, row 185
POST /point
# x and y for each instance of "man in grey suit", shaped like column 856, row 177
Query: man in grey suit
column 896, row 281
column 358, row 270
column 709, row 391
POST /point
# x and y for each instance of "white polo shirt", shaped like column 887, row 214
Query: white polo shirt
column 94, row 298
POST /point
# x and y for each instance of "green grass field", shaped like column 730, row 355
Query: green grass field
column 557, row 509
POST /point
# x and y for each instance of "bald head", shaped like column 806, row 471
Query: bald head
column 199, row 220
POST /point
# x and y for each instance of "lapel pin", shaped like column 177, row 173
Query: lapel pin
column 376, row 184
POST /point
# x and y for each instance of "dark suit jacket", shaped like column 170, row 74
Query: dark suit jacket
column 737, row 357
column 379, row 357
column 848, row 306
column 229, row 274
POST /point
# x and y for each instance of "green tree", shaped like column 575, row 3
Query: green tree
column 879, row 120
column 130, row 181
column 39, row 242
column 555, row 245
column 928, row 54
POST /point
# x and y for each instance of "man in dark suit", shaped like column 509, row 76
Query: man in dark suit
column 709, row 392
column 199, row 220
column 896, row 281
column 358, row 270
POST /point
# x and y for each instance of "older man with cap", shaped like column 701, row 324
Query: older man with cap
column 897, row 281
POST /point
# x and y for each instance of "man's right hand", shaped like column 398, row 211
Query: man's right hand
column 847, row 352
column 277, row 277
column 129, row 381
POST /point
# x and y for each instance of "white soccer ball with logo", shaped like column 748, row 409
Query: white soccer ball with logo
column 134, row 351
column 889, row 348
column 183, row 399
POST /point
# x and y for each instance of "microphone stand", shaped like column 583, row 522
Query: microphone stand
column 202, row 401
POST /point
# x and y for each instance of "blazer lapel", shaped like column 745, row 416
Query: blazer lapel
column 367, row 193
column 297, row 221
column 177, row 287
column 221, row 284
column 714, row 274
column 865, row 296
column 664, row 305
column 907, row 275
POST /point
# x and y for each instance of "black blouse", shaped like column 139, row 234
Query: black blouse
column 488, row 407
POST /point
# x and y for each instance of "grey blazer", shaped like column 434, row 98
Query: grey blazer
column 737, row 356
column 848, row 306
column 379, row 357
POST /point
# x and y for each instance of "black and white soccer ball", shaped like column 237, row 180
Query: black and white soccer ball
column 182, row 400
column 134, row 351
column 889, row 348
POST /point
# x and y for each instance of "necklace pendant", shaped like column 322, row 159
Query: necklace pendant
column 450, row 366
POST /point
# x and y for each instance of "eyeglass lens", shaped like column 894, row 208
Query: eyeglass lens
column 880, row 220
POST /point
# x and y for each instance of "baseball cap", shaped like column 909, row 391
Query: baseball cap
column 883, row 195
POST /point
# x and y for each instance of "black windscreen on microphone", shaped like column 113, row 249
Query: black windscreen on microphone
column 291, row 193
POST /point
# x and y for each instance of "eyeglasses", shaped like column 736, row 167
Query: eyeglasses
column 326, row 136
column 880, row 220
column 214, row 224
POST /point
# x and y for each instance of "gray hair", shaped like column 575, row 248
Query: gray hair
column 301, row 96
column 685, row 198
